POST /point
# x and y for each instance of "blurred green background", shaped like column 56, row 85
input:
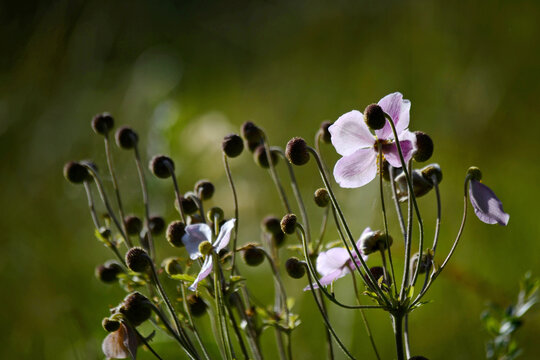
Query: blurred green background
column 186, row 73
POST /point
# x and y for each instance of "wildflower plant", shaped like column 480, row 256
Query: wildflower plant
column 375, row 144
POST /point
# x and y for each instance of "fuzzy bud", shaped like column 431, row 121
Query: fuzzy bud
column 136, row 308
column 172, row 266
column 295, row 268
column 156, row 225
column 321, row 197
column 162, row 166
column 102, row 123
column 374, row 241
column 206, row 248
column 278, row 238
column 259, row 155
column 271, row 224
column 110, row 325
column 374, row 117
column 126, row 138
column 189, row 206
column 432, row 170
column 427, row 257
column 137, row 259
column 205, row 189
column 288, row 224
column 421, row 185
column 108, row 272
column 377, row 273
column 196, row 304
column 474, row 173
column 76, row 173
column 325, row 133
column 175, row 232
column 253, row 255
column 133, row 224
column 232, row 145
column 424, row 146
column 251, row 132
column 297, row 151
column 215, row 214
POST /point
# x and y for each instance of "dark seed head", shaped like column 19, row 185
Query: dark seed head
column 374, row 241
column 172, row 266
column 126, row 138
column 253, row 255
column 433, row 170
column 76, row 173
column 251, row 132
column 205, row 189
column 326, row 136
column 136, row 308
column 134, row 224
column 374, row 117
column 474, row 173
column 215, row 214
column 189, row 206
column 261, row 159
column 321, row 197
column 297, row 151
column 196, row 304
column 175, row 232
column 108, row 272
column 102, row 123
column 295, row 268
column 162, row 166
column 137, row 259
column 424, row 146
column 232, row 145
column 156, row 225
column 271, row 224
column 110, row 325
column 288, row 224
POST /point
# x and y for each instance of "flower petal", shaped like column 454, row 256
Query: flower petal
column 131, row 341
column 196, row 234
column 329, row 278
column 350, row 133
column 113, row 345
column 224, row 235
column 356, row 169
column 205, row 271
column 407, row 141
column 486, row 205
column 332, row 260
column 366, row 233
column 398, row 109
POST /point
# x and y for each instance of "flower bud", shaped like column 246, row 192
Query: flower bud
column 427, row 257
column 474, row 173
column 232, row 145
column 126, row 138
column 108, row 272
column 421, row 185
column 259, row 155
column 133, row 224
column 172, row 266
column 278, row 238
column 377, row 273
column 295, row 268
column 110, row 325
column 288, row 224
column 196, row 304
column 102, row 123
column 162, row 166
column 204, row 189
column 321, row 197
column 136, row 308
column 206, row 248
column 424, row 146
column 271, row 224
column 325, row 133
column 251, row 132
column 156, row 225
column 297, row 151
column 215, row 214
column 76, row 173
column 374, row 117
column 137, row 259
column 430, row 170
column 189, row 206
column 175, row 232
column 373, row 241
column 253, row 255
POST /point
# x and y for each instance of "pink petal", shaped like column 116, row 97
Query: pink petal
column 224, row 235
column 205, row 271
column 350, row 133
column 398, row 109
column 391, row 153
column 332, row 260
column 196, row 234
column 356, row 169
column 486, row 205
column 113, row 345
column 329, row 278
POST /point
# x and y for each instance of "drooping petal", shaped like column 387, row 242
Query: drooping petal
column 398, row 109
column 224, row 235
column 114, row 346
column 350, row 133
column 131, row 341
column 487, row 207
column 407, row 141
column 196, row 234
column 206, row 268
column 332, row 260
column 356, row 169
column 329, row 278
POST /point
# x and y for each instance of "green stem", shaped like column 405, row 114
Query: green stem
column 236, row 212
column 146, row 202
column 398, row 334
column 222, row 325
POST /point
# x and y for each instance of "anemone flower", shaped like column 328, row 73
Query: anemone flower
column 487, row 207
column 121, row 344
column 335, row 263
column 198, row 233
column 353, row 140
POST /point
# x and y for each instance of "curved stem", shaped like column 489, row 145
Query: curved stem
column 192, row 323
column 236, row 212
column 144, row 190
column 177, row 193
column 408, row 244
column 145, row 342
column 274, row 175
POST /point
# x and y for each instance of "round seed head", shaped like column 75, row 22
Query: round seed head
column 253, row 255
column 424, row 146
column 215, row 214
column 205, row 189
column 432, row 170
column 259, row 155
column 137, row 259
column 297, row 151
column 251, row 132
column 474, row 173
column 374, row 117
column 175, row 232
column 172, row 266
column 378, row 273
column 134, row 224
column 321, row 197
column 278, row 238
column 295, row 268
column 136, row 308
column 206, row 248
column 232, row 145
column 107, row 272
column 374, row 241
column 424, row 264
column 271, row 224
column 110, row 325
column 161, row 166
column 156, row 225
column 76, row 173
column 189, row 206
column 126, row 138
column 196, row 304
column 102, row 123
column 326, row 136
column 288, row 224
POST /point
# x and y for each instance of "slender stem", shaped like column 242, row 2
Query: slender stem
column 279, row 343
column 438, row 223
column 406, row 336
column 169, row 328
column 329, row 346
column 236, row 212
column 396, row 202
column 192, row 323
column 145, row 342
column 398, row 332
column 223, row 329
column 91, row 204
column 274, row 175
column 237, row 333
column 408, row 244
column 324, row 222
column 177, row 193
column 115, row 186
column 146, row 202
column 250, row 330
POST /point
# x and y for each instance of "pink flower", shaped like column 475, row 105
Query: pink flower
column 121, row 344
column 359, row 147
column 487, row 207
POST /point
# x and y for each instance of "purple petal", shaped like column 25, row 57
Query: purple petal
column 224, row 235
column 196, row 234
column 113, row 345
column 205, row 271
column 398, row 109
column 356, row 169
column 391, row 153
column 350, row 133
column 332, row 260
column 486, row 205
column 329, row 278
